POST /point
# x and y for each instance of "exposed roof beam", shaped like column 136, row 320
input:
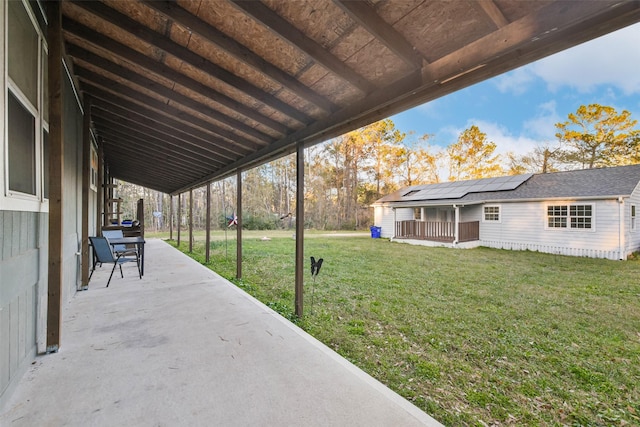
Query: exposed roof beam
column 130, row 129
column 129, row 147
column 167, row 45
column 156, row 128
column 112, row 103
column 177, row 14
column 151, row 85
column 193, row 128
column 298, row 39
column 493, row 12
column 95, row 79
column 367, row 17
column 160, row 69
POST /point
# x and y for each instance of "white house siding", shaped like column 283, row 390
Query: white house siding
column 632, row 237
column 523, row 226
column 383, row 217
column 471, row 213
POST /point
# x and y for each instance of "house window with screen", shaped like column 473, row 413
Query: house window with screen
column 570, row 216
column 26, row 105
column 492, row 213
column 633, row 217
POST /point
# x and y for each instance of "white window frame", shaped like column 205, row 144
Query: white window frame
column 9, row 199
column 499, row 213
column 633, row 211
column 568, row 226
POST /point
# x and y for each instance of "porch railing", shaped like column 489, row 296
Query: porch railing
column 437, row 231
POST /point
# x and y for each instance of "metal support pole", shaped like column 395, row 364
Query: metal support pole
column 299, row 293
column 190, row 220
column 208, row 225
column 239, row 227
column 179, row 216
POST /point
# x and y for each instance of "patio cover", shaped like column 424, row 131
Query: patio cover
column 183, row 93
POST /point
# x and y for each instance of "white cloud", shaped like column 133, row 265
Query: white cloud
column 504, row 140
column 542, row 125
column 515, row 82
column 613, row 59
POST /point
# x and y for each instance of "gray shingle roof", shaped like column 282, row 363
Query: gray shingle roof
column 596, row 183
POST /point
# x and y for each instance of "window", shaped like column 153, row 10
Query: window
column 633, row 217
column 580, row 216
column 22, row 148
column 570, row 216
column 410, row 193
column 94, row 169
column 491, row 213
column 24, row 185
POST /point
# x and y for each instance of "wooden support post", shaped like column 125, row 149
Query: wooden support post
column 56, row 173
column 170, row 217
column 100, row 192
column 191, row 220
column 299, row 294
column 179, row 217
column 86, row 183
column 207, row 240
column 239, row 227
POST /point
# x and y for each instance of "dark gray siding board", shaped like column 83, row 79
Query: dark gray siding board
column 4, row 347
column 21, row 278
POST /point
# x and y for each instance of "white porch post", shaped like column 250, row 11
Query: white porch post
column 456, row 221
column 395, row 223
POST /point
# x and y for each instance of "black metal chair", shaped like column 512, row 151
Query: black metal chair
column 104, row 255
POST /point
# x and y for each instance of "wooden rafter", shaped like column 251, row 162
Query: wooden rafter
column 168, row 46
column 152, row 66
column 298, row 39
column 493, row 11
column 367, row 17
column 177, row 14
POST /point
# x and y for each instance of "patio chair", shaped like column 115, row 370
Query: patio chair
column 119, row 249
column 104, row 255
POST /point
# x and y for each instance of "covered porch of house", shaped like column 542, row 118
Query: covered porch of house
column 184, row 346
column 441, row 224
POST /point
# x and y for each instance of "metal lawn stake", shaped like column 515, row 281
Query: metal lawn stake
column 315, row 269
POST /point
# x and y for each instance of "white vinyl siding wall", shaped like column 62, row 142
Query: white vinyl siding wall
column 524, row 227
column 632, row 236
column 383, row 217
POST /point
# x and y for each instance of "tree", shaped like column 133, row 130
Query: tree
column 382, row 140
column 413, row 163
column 471, row 157
column 543, row 159
column 598, row 136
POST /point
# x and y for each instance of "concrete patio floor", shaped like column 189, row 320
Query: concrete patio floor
column 184, row 347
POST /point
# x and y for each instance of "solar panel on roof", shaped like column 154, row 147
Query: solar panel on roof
column 458, row 189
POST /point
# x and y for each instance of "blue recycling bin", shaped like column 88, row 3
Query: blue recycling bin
column 375, row 232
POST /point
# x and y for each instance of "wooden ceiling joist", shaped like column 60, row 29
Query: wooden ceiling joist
column 205, row 89
column 366, row 16
column 160, row 132
column 175, row 13
column 152, row 66
column 261, row 13
column 96, row 80
column 182, row 53
column 163, row 91
column 128, row 130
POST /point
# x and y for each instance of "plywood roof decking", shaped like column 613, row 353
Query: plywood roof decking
column 190, row 91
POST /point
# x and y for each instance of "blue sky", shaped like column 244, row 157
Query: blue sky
column 518, row 109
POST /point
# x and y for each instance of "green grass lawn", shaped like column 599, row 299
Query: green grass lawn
column 472, row 337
